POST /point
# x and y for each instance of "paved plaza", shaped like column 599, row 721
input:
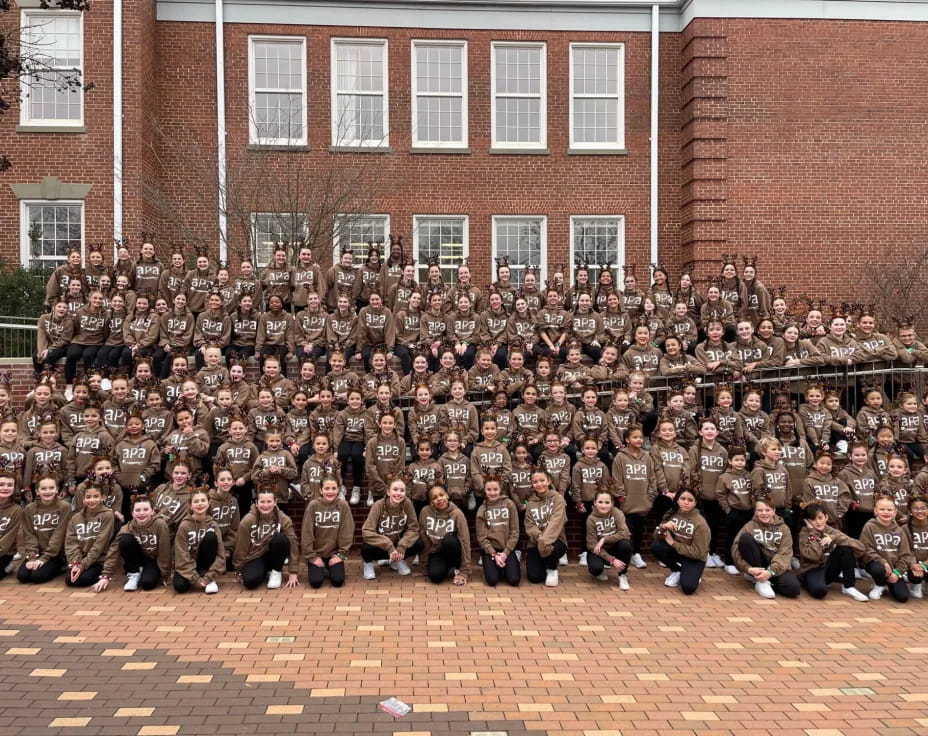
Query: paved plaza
column 583, row 659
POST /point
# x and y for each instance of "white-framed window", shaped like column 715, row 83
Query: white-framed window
column 439, row 94
column 359, row 92
column 277, row 90
column 270, row 228
column 596, row 240
column 443, row 237
column 597, row 95
column 523, row 239
column 359, row 231
column 518, row 101
column 48, row 230
column 52, row 49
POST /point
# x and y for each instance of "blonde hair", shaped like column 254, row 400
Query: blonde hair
column 768, row 443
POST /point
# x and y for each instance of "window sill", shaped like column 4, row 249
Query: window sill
column 597, row 152
column 276, row 147
column 520, row 151
column 36, row 128
column 426, row 149
column 360, row 149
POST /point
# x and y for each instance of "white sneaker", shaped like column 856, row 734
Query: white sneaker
column 132, row 582
column 401, row 567
column 661, row 564
column 714, row 561
column 794, row 563
column 603, row 576
column 68, row 393
column 106, row 384
column 211, row 587
column 854, row 593
column 9, row 568
column 274, row 579
column 415, row 560
column 383, row 563
column 749, row 577
column 342, row 493
column 915, row 590
column 862, row 574
column 672, row 580
column 731, row 569
column 518, row 554
column 471, row 502
column 370, row 497
column 368, row 571
column 623, row 583
column 562, row 561
column 877, row 592
column 582, row 560
column 638, row 562
column 764, row 589
column 355, row 496
column 551, row 579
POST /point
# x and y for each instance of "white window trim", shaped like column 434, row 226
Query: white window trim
column 253, row 137
column 333, row 90
column 619, row 143
column 416, row 142
column 33, row 17
column 254, row 245
column 543, row 266
column 416, row 220
column 543, row 88
column 336, row 246
column 25, row 246
column 621, row 240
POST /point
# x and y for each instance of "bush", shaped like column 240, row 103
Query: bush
column 22, row 290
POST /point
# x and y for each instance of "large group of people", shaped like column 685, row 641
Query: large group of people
column 513, row 408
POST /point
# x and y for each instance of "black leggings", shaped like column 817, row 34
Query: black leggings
column 87, row 578
column 636, row 527
column 621, row 550
column 317, row 574
column 76, row 353
column 255, row 571
column 370, row 553
column 135, row 560
column 52, row 356
column 690, row 570
column 41, row 574
column 206, row 556
column 839, row 566
column 786, row 583
column 899, row 590
column 445, row 559
column 712, row 511
column 537, row 567
column 493, row 573
column 734, row 521
column 352, row 453
column 113, row 356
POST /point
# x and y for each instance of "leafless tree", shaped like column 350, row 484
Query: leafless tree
column 896, row 283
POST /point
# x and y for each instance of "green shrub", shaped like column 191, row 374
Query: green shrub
column 22, row 290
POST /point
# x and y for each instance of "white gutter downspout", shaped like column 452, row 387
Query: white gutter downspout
column 117, row 126
column 655, row 86
column 221, row 131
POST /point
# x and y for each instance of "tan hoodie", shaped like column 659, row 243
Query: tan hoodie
column 153, row 537
column 328, row 529
column 435, row 525
column 884, row 543
column 691, row 534
column 545, row 521
column 391, row 528
column 89, row 534
column 43, row 530
column 190, row 534
column 498, row 526
column 255, row 534
column 811, row 552
column 610, row 528
column 775, row 540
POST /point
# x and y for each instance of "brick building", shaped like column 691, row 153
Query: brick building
column 793, row 130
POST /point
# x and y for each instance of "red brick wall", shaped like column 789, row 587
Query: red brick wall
column 479, row 185
column 84, row 158
column 797, row 141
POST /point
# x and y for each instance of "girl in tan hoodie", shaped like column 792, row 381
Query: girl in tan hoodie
column 199, row 554
column 763, row 550
column 826, row 555
column 445, row 537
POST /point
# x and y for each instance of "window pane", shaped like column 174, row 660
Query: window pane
column 595, row 71
column 58, row 227
column 443, row 238
column 439, row 119
column 359, row 232
column 518, row 70
column 272, row 228
column 520, row 239
column 596, row 241
column 518, row 120
column 439, row 69
column 595, row 120
column 52, row 82
column 279, row 115
column 359, row 67
column 360, row 118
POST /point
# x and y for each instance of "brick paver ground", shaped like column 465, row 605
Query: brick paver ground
column 583, row 659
